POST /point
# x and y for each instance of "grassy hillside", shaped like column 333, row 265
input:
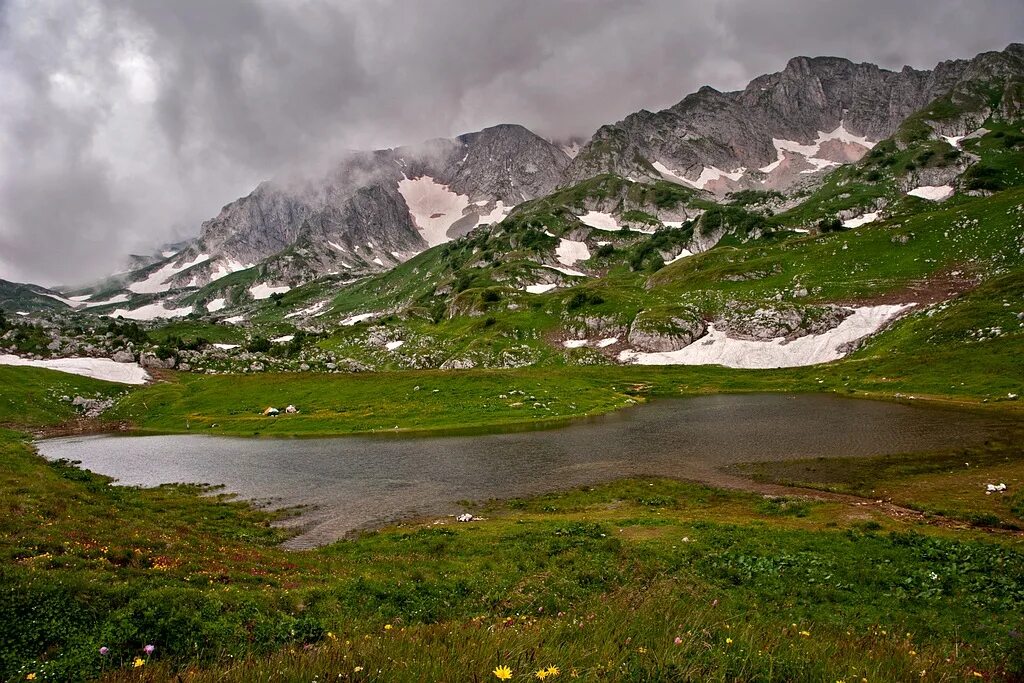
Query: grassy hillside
column 643, row 580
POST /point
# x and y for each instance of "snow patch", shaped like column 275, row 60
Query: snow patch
column 954, row 140
column 391, row 346
column 156, row 282
column 235, row 319
column 433, row 207
column 567, row 271
column 861, row 220
column 571, row 251
column 607, row 342
column 264, row 291
column 283, row 339
column 716, row 348
column 97, row 368
column 151, row 312
column 497, row 214
column 348, row 322
column 310, row 310
column 225, row 267
column 683, row 254
column 216, row 305
column 116, row 299
column 935, row 193
column 225, row 347
column 539, row 289
column 601, row 221
column 575, row 343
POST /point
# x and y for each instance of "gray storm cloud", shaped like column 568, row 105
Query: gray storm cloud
column 125, row 123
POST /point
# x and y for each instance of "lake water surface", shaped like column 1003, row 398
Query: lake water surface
column 355, row 482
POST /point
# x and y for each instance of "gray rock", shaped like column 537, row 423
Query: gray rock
column 123, row 356
column 659, row 332
column 152, row 361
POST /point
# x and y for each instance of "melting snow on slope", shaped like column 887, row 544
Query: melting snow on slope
column 810, row 152
column 574, row 343
column 392, row 346
column 935, row 193
column 216, row 305
column 953, row 140
column 496, row 215
column 433, row 207
column 97, row 368
column 151, row 312
column 310, row 310
column 683, row 254
column 601, row 221
column 264, row 291
column 861, row 220
column 716, row 348
column 571, row 251
column 225, row 347
column 283, row 339
column 357, row 319
column 539, row 289
column 707, row 175
column 568, row 271
column 157, row 280
column 225, row 267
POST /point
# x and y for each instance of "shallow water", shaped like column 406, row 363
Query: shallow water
column 356, row 482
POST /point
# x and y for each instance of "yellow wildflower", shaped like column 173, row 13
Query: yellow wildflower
column 541, row 674
column 912, row 653
column 805, row 634
column 502, row 673
column 553, row 671
column 31, row 677
column 728, row 641
column 331, row 636
column 138, row 662
column 388, row 627
column 977, row 674
column 358, row 669
column 642, row 650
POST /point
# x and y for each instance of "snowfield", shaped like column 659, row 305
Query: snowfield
column 601, row 221
column 157, row 280
column 496, row 215
column 151, row 312
column 716, row 348
column 433, row 207
column 539, row 289
column 227, row 266
column 680, row 256
column 347, row 322
column 264, row 291
column 216, row 305
column 571, row 251
column 97, row 368
column 309, row 310
column 861, row 220
column 935, row 193
column 707, row 174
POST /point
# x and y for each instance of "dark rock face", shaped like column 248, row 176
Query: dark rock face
column 734, row 130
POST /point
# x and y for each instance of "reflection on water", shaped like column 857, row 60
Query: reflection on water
column 355, row 482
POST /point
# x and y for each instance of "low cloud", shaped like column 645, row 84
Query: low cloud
column 125, row 123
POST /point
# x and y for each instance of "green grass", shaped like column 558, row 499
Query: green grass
column 600, row 580
column 33, row 397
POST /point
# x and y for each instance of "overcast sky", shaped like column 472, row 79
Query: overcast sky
column 126, row 123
